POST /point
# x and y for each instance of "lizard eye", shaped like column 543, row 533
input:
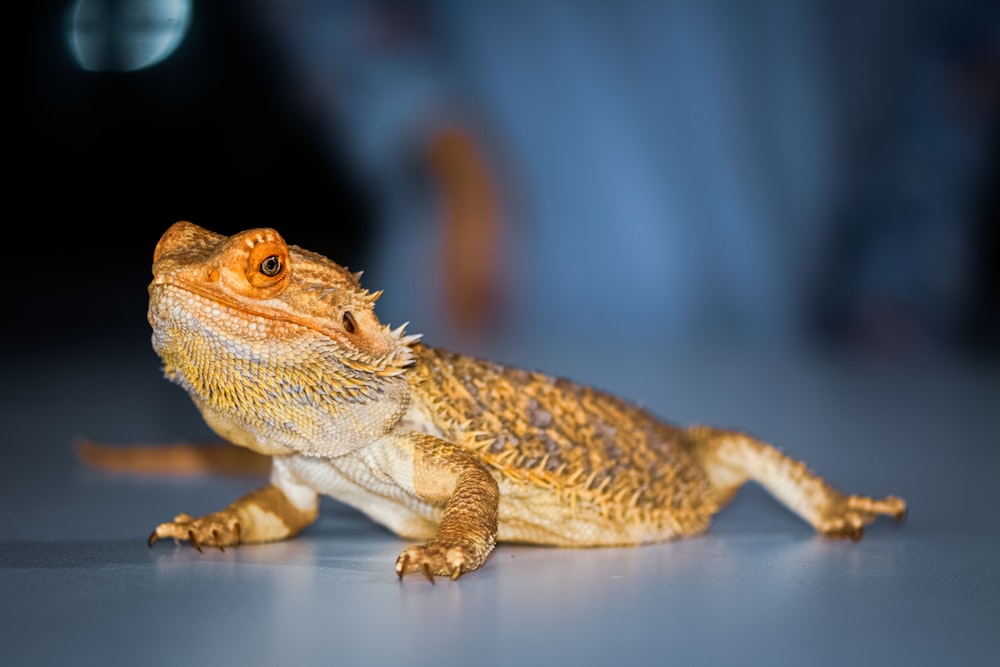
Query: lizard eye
column 350, row 326
column 271, row 266
column 256, row 263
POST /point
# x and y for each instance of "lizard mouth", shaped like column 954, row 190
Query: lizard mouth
column 175, row 301
column 215, row 302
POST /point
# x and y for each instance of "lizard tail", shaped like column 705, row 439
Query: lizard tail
column 178, row 459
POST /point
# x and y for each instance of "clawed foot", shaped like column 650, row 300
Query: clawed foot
column 848, row 516
column 218, row 530
column 434, row 560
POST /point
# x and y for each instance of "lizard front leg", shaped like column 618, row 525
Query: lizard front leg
column 280, row 510
column 446, row 474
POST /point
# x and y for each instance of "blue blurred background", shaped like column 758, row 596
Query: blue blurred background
column 638, row 173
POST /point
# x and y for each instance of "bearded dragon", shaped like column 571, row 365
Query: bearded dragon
column 281, row 351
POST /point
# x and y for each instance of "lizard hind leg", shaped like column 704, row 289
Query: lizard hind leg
column 730, row 458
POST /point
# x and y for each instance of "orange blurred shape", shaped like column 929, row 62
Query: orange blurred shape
column 176, row 459
column 471, row 211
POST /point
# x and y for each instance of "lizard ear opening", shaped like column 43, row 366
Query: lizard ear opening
column 350, row 325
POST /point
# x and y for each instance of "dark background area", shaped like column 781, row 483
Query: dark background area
column 99, row 164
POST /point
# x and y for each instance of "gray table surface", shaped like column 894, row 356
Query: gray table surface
column 79, row 585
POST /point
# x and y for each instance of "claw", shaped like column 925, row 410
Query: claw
column 428, row 573
column 401, row 565
column 194, row 541
column 153, row 537
column 218, row 541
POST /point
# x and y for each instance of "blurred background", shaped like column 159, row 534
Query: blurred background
column 639, row 173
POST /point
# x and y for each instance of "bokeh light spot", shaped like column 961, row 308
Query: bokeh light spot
column 125, row 35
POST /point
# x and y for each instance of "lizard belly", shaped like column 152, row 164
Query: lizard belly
column 357, row 480
column 545, row 517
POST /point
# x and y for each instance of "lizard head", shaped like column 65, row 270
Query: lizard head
column 256, row 274
column 250, row 320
